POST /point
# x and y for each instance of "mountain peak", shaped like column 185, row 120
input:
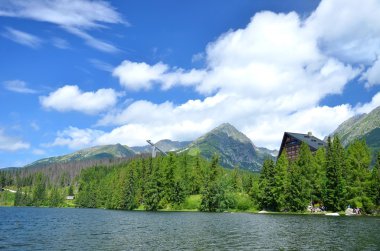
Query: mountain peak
column 232, row 132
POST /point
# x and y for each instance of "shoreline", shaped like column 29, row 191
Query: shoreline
column 225, row 212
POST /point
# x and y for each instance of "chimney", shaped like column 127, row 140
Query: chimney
column 309, row 134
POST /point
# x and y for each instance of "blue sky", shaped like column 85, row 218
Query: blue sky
column 75, row 74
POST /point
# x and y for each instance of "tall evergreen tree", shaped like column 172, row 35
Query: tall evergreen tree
column 358, row 173
column 267, row 199
column 296, row 198
column 307, row 166
column 212, row 194
column 335, row 183
column 281, row 182
column 375, row 182
column 39, row 190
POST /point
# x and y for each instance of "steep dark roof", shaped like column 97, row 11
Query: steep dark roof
column 311, row 140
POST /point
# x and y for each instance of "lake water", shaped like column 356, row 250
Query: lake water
column 96, row 229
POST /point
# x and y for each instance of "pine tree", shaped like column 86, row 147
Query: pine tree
column 281, row 179
column 152, row 194
column 307, row 170
column 358, row 173
column 319, row 183
column 39, row 190
column 335, row 183
column 55, row 198
column 212, row 194
column 296, row 196
column 129, row 202
column 267, row 199
column 374, row 192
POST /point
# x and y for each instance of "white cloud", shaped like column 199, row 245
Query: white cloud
column 266, row 78
column 76, row 138
column 368, row 107
column 93, row 42
column 18, row 86
column 138, row 76
column 348, row 29
column 74, row 16
column 22, row 37
column 8, row 143
column 372, row 75
column 71, row 98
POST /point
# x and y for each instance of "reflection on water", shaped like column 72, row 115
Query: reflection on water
column 95, row 229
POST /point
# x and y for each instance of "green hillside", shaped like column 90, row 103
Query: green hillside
column 360, row 126
column 92, row 153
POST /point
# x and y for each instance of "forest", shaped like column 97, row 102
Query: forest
column 334, row 177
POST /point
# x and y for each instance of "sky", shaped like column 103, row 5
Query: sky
column 75, row 74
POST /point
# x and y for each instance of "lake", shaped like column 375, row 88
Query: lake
column 97, row 229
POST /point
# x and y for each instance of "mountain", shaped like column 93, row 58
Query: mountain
column 363, row 126
column 165, row 145
column 92, row 153
column 233, row 147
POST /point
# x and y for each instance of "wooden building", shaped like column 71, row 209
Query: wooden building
column 291, row 143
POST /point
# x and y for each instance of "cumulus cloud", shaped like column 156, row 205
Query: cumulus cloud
column 71, row 98
column 18, row 86
column 347, row 29
column 75, row 138
column 372, row 75
column 368, row 107
column 22, row 37
column 76, row 17
column 137, row 76
column 266, row 78
column 8, row 143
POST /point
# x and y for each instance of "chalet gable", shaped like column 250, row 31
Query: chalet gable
column 291, row 143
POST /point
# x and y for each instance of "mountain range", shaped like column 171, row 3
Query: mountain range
column 233, row 147
column 363, row 126
column 359, row 127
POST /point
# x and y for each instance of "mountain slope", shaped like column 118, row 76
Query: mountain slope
column 165, row 145
column 233, row 147
column 92, row 153
column 358, row 127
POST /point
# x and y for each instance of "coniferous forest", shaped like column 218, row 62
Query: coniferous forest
column 334, row 178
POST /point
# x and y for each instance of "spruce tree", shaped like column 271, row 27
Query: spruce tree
column 281, row 179
column 39, row 190
column 358, row 173
column 212, row 194
column 335, row 199
column 307, row 167
column 267, row 199
column 375, row 182
column 296, row 198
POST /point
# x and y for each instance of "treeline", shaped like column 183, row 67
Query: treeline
column 169, row 182
column 333, row 177
column 57, row 174
column 36, row 190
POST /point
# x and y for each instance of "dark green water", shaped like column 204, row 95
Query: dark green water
column 95, row 229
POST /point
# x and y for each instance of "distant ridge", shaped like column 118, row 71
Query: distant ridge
column 363, row 126
column 92, row 153
column 233, row 147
